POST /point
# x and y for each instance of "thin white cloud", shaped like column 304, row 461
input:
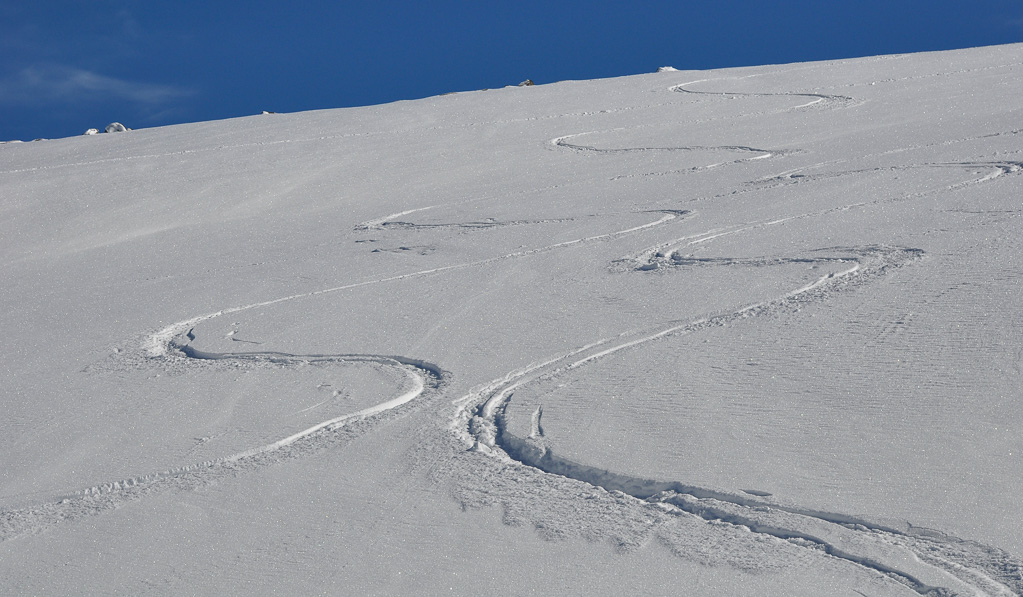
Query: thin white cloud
column 129, row 26
column 56, row 83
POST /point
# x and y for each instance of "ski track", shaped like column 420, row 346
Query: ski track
column 669, row 254
column 94, row 500
column 762, row 153
column 758, row 154
column 930, row 565
column 476, row 225
column 380, row 223
column 274, row 142
column 997, row 168
column 171, row 344
column 666, row 254
column 821, row 100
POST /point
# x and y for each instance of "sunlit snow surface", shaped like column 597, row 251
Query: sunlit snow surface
column 753, row 331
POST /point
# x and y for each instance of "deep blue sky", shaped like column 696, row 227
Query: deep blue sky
column 66, row 66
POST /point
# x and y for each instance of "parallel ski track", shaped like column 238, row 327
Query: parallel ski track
column 171, row 344
column 481, row 423
column 670, row 253
column 824, row 100
column 761, row 153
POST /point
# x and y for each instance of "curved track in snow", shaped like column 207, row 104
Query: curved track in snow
column 748, row 153
column 171, row 344
column 423, row 376
column 930, row 564
column 819, row 100
column 672, row 253
column 759, row 153
column 996, row 168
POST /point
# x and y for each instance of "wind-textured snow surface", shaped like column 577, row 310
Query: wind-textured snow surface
column 753, row 331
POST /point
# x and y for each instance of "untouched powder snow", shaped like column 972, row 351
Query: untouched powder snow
column 751, row 331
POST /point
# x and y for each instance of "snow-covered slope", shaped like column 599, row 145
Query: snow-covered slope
column 753, row 331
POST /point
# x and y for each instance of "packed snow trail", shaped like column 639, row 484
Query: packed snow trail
column 822, row 100
column 158, row 343
column 926, row 564
column 422, row 376
column 760, row 153
column 669, row 253
column 419, row 372
column 172, row 343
